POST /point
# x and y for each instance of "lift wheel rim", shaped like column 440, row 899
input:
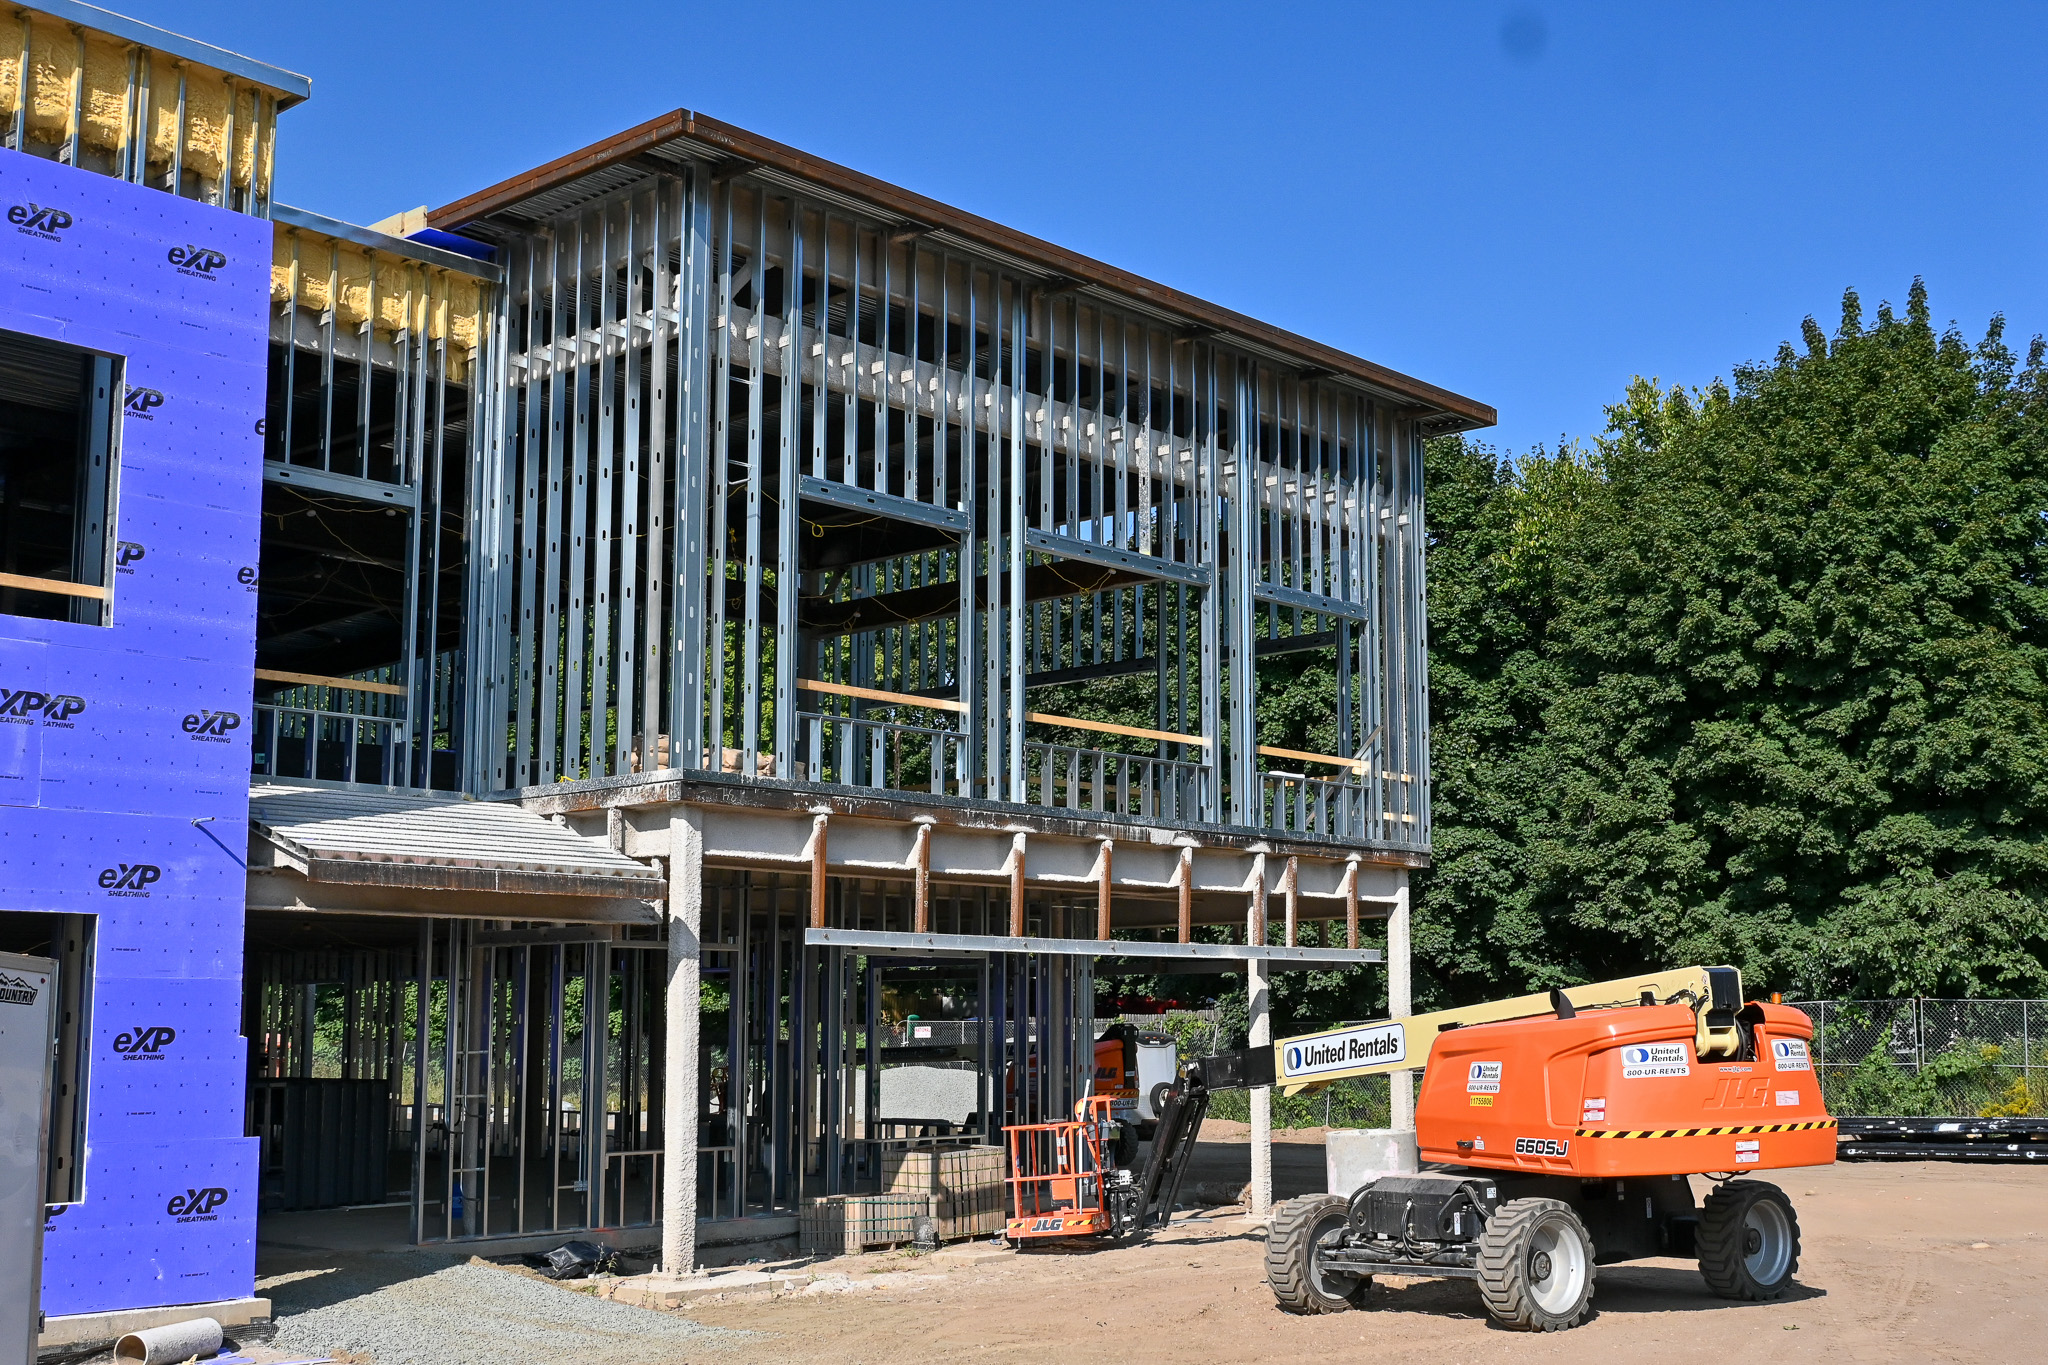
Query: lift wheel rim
column 1557, row 1266
column 1766, row 1241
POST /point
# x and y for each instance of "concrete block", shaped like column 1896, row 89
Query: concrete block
column 720, row 1232
column 672, row 1291
column 1355, row 1157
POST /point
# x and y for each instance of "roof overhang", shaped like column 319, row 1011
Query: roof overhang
column 686, row 134
column 374, row 851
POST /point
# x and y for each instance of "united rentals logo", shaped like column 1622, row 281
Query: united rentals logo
column 17, row 990
column 26, row 707
column 1341, row 1049
column 197, row 261
column 145, row 1044
column 130, row 879
column 212, row 727
column 143, row 403
column 128, row 552
column 1653, row 1060
column 39, row 220
column 197, row 1206
column 1791, row 1055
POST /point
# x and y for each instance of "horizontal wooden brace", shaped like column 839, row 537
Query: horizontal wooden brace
column 321, row 680
column 61, row 587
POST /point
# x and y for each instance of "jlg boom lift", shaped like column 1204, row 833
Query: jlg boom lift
column 1555, row 1134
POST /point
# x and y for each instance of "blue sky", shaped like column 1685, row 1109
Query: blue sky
column 1528, row 203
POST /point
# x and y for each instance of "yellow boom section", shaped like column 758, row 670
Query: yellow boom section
column 1313, row 1060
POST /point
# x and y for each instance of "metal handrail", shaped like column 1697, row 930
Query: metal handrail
column 1068, row 777
column 348, row 727
column 870, row 753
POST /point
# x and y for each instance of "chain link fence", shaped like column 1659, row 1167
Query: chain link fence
column 1931, row 1058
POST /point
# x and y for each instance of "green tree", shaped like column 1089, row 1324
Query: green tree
column 1759, row 679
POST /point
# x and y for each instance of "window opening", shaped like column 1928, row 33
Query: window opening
column 58, row 405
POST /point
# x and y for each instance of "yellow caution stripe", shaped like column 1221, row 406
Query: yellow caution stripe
column 1743, row 1130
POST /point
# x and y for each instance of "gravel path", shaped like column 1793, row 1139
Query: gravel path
column 421, row 1310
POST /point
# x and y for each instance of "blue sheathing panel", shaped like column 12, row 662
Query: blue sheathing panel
column 128, row 798
column 176, row 1227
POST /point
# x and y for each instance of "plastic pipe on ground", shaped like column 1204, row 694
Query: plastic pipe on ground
column 172, row 1342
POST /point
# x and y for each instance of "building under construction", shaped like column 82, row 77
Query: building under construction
column 505, row 705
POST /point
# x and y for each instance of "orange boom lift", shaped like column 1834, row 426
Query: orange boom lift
column 1555, row 1133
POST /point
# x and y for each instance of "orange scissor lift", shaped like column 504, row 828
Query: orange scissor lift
column 1056, row 1175
column 1063, row 1188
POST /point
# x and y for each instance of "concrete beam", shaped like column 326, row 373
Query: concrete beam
column 653, row 791
column 1145, row 862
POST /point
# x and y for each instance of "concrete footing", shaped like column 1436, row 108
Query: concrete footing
column 83, row 1329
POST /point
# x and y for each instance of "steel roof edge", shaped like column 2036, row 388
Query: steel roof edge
column 289, row 86
column 285, row 215
column 740, row 145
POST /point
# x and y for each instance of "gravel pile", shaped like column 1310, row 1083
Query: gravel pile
column 419, row 1310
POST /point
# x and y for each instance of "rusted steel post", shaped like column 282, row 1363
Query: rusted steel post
column 921, row 857
column 1102, row 896
column 1184, row 877
column 1017, row 886
column 818, row 824
column 1351, row 904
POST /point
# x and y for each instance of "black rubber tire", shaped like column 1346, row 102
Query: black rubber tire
column 1733, row 1229
column 1291, row 1235
column 1508, row 1280
column 1158, row 1097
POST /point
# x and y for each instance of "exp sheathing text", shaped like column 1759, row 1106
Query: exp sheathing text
column 129, row 799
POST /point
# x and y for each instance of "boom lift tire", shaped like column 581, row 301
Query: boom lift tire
column 1291, row 1236
column 1536, row 1266
column 1749, row 1240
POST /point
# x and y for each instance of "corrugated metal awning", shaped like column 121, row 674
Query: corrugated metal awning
column 435, row 842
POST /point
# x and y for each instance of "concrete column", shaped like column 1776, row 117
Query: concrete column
column 1262, row 1096
column 1400, row 1001
column 679, row 1098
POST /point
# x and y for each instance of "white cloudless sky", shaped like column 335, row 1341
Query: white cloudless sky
column 1528, row 203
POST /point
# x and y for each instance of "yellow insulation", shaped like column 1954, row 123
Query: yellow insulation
column 407, row 296
column 105, row 121
column 213, row 103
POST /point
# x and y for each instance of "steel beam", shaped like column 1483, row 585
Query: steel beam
column 897, row 944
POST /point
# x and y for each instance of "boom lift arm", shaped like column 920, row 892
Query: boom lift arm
column 1311, row 1061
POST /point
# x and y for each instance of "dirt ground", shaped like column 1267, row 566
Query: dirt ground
column 1901, row 1262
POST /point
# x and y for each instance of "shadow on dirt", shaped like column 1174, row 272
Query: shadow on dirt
column 1620, row 1289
